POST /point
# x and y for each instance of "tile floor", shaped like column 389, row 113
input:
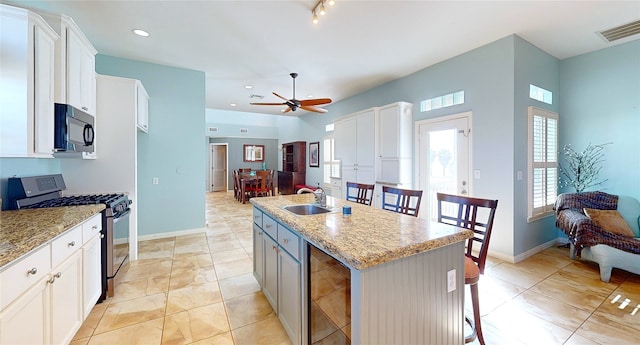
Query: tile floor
column 199, row 289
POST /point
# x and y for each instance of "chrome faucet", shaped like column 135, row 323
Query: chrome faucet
column 322, row 199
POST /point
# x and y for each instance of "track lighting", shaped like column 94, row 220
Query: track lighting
column 319, row 8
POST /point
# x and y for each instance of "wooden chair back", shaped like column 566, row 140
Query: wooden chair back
column 242, row 170
column 405, row 201
column 237, row 187
column 363, row 193
column 262, row 187
column 474, row 214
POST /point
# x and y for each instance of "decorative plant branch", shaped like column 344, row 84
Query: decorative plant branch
column 582, row 168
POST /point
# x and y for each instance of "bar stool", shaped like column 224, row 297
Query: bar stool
column 463, row 212
column 364, row 193
column 405, row 201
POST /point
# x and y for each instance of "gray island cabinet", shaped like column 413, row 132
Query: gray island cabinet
column 398, row 267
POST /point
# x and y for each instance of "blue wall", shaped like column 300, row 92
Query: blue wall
column 173, row 150
column 532, row 66
column 486, row 75
column 21, row 167
column 600, row 104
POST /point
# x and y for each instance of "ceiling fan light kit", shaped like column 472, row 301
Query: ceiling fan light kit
column 293, row 104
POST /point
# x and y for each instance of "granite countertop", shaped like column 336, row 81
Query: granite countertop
column 368, row 237
column 22, row 231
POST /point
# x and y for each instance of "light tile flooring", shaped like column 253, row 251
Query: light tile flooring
column 199, row 289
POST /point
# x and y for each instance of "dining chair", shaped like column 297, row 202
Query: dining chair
column 261, row 185
column 476, row 215
column 363, row 192
column 236, row 185
column 244, row 170
column 405, row 201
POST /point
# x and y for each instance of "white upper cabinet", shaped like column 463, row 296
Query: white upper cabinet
column 395, row 130
column 81, row 80
column 75, row 65
column 142, row 108
column 27, row 46
column 355, row 138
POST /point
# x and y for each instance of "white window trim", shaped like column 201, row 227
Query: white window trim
column 546, row 210
column 328, row 164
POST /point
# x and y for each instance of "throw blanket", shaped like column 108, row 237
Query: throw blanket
column 582, row 232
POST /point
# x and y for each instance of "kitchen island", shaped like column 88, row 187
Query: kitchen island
column 407, row 274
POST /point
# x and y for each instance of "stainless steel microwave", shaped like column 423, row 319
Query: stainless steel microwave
column 74, row 129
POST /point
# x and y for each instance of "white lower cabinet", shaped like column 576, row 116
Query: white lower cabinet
column 65, row 298
column 44, row 305
column 23, row 322
column 91, row 274
column 278, row 258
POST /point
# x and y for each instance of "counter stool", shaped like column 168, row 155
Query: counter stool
column 364, row 193
column 463, row 212
column 405, row 201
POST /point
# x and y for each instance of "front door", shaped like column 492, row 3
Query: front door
column 218, row 161
column 444, row 154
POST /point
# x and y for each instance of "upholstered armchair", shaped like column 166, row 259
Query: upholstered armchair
column 603, row 228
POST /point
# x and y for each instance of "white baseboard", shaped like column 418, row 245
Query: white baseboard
column 166, row 234
column 531, row 252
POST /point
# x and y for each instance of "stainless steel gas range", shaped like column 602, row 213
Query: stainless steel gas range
column 46, row 191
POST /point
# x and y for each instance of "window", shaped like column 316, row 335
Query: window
column 543, row 162
column 540, row 94
column 331, row 165
column 447, row 100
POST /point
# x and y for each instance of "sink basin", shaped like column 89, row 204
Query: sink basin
column 307, row 209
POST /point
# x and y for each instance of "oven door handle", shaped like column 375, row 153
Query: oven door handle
column 121, row 215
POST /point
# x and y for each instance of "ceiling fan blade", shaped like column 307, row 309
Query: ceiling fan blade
column 280, row 96
column 288, row 109
column 316, row 101
column 313, row 109
column 260, row 103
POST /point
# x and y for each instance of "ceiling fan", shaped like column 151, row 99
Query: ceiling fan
column 305, row 104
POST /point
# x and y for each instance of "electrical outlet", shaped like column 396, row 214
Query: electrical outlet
column 451, row 280
column 155, row 180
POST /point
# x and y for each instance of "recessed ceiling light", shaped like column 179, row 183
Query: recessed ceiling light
column 233, row 105
column 248, row 86
column 140, row 32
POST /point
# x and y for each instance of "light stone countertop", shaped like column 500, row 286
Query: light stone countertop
column 368, row 237
column 22, row 231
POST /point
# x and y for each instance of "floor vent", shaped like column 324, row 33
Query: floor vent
column 621, row 31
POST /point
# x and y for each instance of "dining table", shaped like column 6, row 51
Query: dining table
column 249, row 178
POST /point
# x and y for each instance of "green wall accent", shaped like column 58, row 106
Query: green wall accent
column 174, row 148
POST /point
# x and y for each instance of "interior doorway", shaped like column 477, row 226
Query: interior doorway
column 444, row 159
column 218, row 167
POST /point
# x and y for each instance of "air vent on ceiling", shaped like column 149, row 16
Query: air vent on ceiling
column 244, row 130
column 621, row 31
column 253, row 95
column 213, row 129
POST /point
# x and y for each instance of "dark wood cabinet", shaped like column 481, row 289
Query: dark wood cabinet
column 287, row 180
column 294, row 161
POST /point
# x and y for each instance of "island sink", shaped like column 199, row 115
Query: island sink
column 307, row 209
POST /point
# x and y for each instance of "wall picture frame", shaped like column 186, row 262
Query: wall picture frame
column 314, row 154
column 253, row 153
